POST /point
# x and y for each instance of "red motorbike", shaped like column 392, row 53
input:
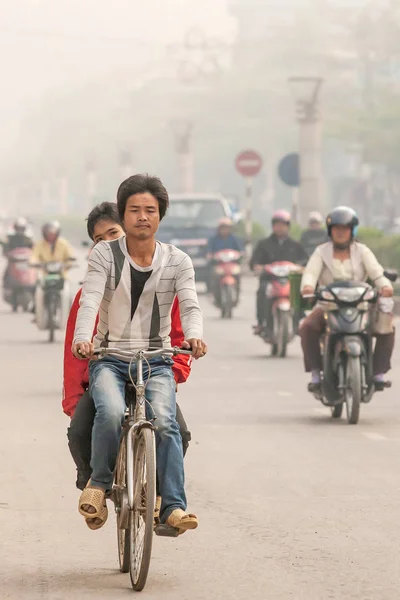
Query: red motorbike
column 280, row 327
column 226, row 276
column 21, row 279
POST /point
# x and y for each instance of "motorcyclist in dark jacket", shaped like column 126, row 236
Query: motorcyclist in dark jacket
column 279, row 246
column 315, row 235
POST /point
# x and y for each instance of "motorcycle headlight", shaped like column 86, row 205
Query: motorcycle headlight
column 348, row 294
column 53, row 267
column 235, row 269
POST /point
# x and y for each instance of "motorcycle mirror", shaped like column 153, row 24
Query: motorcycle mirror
column 85, row 244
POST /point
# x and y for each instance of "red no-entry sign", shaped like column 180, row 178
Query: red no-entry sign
column 248, row 163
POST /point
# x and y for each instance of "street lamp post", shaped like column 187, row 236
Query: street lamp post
column 183, row 143
column 306, row 92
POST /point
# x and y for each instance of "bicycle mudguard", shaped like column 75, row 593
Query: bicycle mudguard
column 165, row 530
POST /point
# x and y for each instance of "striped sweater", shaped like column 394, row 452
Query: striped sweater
column 134, row 303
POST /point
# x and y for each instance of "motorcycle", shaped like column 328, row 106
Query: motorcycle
column 347, row 347
column 226, row 273
column 282, row 322
column 52, row 299
column 21, row 280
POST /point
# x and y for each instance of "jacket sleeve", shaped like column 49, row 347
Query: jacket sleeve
column 302, row 255
column 190, row 311
column 74, row 369
column 92, row 292
column 182, row 363
column 256, row 257
column 313, row 270
column 374, row 269
column 35, row 256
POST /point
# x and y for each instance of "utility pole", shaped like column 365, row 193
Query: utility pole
column 91, row 185
column 306, row 91
column 183, row 130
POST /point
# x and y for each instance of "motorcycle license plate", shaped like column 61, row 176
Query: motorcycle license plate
column 21, row 266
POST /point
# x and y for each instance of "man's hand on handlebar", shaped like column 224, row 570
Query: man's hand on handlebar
column 307, row 290
column 198, row 347
column 83, row 350
column 387, row 292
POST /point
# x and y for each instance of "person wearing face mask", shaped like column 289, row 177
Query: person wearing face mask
column 279, row 246
column 342, row 259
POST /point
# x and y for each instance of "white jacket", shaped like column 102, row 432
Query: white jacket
column 319, row 269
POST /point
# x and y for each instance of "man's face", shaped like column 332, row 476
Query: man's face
column 51, row 237
column 142, row 216
column 315, row 225
column 280, row 229
column 225, row 231
column 107, row 230
column 341, row 234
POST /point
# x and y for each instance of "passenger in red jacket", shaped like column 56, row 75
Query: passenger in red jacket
column 103, row 224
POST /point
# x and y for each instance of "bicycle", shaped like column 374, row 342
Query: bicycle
column 134, row 488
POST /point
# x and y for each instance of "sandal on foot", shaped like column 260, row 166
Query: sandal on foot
column 94, row 497
column 102, row 517
column 182, row 521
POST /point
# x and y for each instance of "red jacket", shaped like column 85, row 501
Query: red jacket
column 76, row 375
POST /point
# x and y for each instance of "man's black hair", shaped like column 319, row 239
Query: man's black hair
column 106, row 211
column 140, row 184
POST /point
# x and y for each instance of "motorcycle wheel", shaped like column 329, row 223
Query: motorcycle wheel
column 226, row 302
column 353, row 390
column 337, row 411
column 51, row 316
column 283, row 333
column 26, row 301
column 274, row 350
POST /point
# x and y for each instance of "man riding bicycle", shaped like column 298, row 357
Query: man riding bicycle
column 133, row 281
column 103, row 224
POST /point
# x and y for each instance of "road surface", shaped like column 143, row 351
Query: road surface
column 291, row 504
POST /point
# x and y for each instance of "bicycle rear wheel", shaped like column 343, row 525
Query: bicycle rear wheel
column 141, row 520
column 121, row 508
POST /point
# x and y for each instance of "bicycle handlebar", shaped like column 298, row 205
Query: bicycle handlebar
column 145, row 353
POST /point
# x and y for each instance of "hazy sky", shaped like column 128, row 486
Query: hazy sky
column 45, row 44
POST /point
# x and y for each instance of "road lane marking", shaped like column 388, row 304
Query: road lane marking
column 283, row 393
column 372, row 435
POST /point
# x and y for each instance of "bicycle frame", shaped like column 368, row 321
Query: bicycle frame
column 136, row 421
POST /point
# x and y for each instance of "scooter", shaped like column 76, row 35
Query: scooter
column 21, row 280
column 282, row 322
column 226, row 274
column 347, row 347
column 52, row 298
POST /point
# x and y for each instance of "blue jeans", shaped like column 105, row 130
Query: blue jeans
column 108, row 378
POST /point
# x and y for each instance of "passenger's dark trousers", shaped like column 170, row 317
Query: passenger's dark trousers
column 311, row 331
column 80, row 437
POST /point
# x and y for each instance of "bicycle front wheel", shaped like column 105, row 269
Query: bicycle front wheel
column 141, row 520
column 121, row 505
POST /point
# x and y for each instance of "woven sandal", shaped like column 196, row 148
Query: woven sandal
column 182, row 521
column 102, row 517
column 93, row 497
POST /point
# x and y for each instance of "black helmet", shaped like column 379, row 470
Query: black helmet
column 342, row 215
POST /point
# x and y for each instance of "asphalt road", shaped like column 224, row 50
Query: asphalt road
column 291, row 504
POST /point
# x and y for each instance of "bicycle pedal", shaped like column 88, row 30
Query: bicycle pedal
column 164, row 530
